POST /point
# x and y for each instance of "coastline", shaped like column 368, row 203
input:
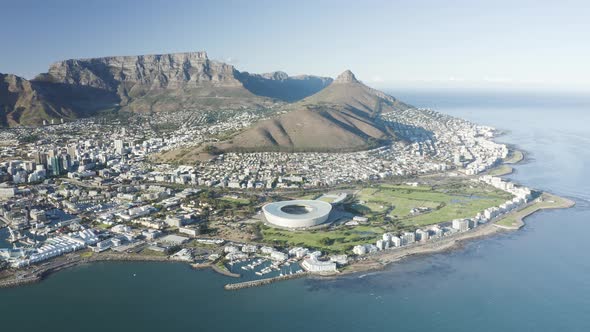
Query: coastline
column 39, row 273
column 374, row 262
column 382, row 259
column 516, row 220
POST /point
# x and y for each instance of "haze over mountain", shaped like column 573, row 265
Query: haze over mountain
column 151, row 83
column 282, row 86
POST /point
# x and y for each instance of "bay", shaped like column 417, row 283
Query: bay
column 535, row 279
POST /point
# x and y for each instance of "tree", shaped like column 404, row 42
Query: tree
column 213, row 150
column 326, row 241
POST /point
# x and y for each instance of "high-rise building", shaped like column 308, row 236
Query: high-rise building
column 66, row 162
column 51, row 153
column 119, row 146
column 73, row 151
column 55, row 166
column 39, row 157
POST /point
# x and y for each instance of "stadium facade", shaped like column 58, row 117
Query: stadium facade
column 297, row 213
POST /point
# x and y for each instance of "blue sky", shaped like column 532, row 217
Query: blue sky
column 386, row 43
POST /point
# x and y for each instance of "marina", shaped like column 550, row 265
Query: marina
column 257, row 268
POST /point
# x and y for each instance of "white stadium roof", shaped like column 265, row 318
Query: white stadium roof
column 297, row 213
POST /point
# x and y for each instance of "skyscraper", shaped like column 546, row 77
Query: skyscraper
column 55, row 166
column 73, row 151
column 39, row 157
column 119, row 146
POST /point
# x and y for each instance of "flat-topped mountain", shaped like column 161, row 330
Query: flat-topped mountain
column 314, row 113
column 123, row 73
column 155, row 83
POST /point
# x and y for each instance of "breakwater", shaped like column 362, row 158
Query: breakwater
column 260, row 282
column 19, row 282
column 224, row 271
column 37, row 275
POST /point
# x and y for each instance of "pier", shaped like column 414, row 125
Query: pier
column 260, row 282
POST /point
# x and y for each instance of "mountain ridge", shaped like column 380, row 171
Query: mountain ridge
column 318, row 113
column 342, row 117
column 151, row 83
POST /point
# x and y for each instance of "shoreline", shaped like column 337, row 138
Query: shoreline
column 374, row 262
column 382, row 259
column 39, row 273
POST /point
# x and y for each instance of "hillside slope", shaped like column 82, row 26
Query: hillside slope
column 342, row 117
column 22, row 102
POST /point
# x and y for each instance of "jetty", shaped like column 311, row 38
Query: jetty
column 266, row 281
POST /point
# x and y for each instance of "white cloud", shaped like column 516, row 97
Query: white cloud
column 377, row 79
column 231, row 60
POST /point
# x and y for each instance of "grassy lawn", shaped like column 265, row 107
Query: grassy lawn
column 403, row 206
column 403, row 186
column 447, row 202
column 86, row 254
column 466, row 208
column 326, row 199
column 326, row 240
column 309, row 196
column 103, row 226
column 241, row 201
column 502, row 170
column 149, row 252
column 515, row 157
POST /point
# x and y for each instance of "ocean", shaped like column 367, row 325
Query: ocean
column 535, row 279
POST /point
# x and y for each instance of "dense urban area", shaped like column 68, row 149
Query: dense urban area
column 96, row 186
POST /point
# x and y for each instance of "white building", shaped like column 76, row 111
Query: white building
column 313, row 265
column 278, row 256
column 422, row 235
column 359, row 250
column 408, row 238
column 461, row 225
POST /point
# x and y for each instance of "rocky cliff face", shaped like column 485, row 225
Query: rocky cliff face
column 346, row 77
column 133, row 76
column 182, row 81
column 22, row 102
column 150, row 83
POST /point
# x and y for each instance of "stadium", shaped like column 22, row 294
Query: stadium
column 297, row 213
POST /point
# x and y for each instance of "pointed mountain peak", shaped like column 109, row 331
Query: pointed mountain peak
column 346, row 77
